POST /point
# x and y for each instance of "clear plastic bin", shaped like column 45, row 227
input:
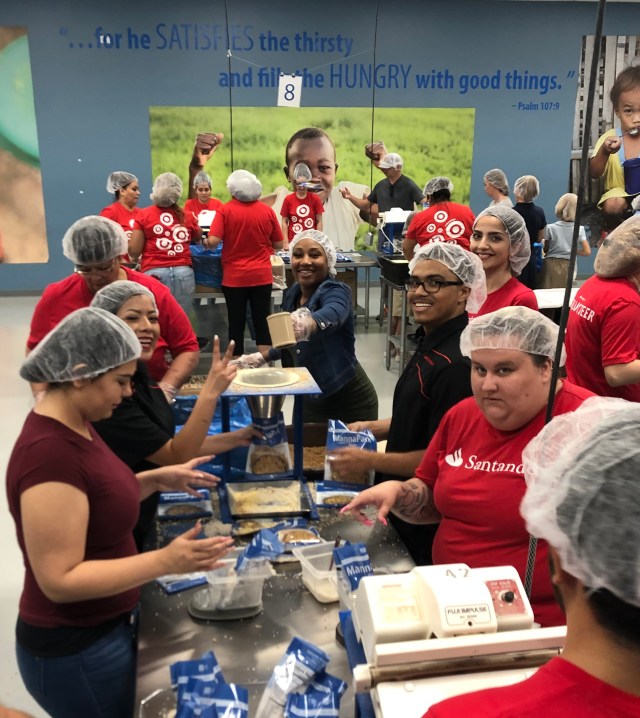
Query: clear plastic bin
column 230, row 592
column 316, row 576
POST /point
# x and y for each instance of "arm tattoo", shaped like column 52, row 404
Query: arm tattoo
column 415, row 503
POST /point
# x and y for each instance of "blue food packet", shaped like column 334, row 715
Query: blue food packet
column 354, row 562
column 190, row 710
column 265, row 545
column 269, row 454
column 206, row 668
column 321, row 699
column 339, row 436
column 231, row 701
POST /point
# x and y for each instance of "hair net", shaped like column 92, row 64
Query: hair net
column 519, row 328
column 466, row 266
column 202, row 178
column 391, row 161
column 244, row 186
column 114, row 295
column 436, row 184
column 526, row 187
column 324, row 241
column 86, row 343
column 635, row 204
column 94, row 239
column 166, row 190
column 582, row 493
column 520, row 245
column 118, row 180
column 619, row 254
column 498, row 179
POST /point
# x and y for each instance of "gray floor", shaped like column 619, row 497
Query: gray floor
column 15, row 403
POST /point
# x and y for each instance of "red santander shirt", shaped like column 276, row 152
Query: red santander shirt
column 123, row 216
column 475, row 473
column 248, row 231
column 511, row 294
column 166, row 238
column 443, row 222
column 302, row 213
column 603, row 329
column 61, row 298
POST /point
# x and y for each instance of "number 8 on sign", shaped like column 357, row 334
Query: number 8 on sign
column 289, row 90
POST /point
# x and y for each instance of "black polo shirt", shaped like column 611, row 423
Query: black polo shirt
column 404, row 193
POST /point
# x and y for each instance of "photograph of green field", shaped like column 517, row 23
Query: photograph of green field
column 431, row 141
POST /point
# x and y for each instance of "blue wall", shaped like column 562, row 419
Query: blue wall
column 92, row 102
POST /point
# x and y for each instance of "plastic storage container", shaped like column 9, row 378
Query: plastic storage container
column 229, row 592
column 316, row 576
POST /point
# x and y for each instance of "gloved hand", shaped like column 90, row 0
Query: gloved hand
column 249, row 361
column 303, row 324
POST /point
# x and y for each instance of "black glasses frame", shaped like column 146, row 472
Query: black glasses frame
column 430, row 284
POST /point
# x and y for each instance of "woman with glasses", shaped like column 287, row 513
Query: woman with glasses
column 445, row 283
column 501, row 240
column 94, row 245
column 470, row 478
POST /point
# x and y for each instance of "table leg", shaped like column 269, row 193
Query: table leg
column 367, row 287
column 298, row 436
column 387, row 361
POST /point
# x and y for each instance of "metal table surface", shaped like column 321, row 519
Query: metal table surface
column 247, row 650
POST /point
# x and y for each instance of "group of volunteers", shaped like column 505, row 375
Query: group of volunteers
column 470, row 469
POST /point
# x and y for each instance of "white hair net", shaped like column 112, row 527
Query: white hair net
column 244, row 186
column 391, row 161
column 519, row 243
column 466, row 266
column 324, row 241
column 436, row 184
column 202, row 178
column 117, row 180
column 527, row 187
column 619, row 254
column 166, row 190
column 94, row 239
column 519, row 328
column 498, row 179
column 582, row 493
column 114, row 295
column 85, row 344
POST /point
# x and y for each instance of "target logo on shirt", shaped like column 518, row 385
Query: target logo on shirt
column 171, row 237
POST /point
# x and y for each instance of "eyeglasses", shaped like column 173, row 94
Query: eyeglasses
column 431, row 285
column 95, row 269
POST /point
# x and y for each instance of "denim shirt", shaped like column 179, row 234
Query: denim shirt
column 330, row 352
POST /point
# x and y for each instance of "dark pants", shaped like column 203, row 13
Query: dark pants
column 259, row 300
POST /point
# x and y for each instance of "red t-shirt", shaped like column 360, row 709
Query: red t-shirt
column 302, row 213
column 511, row 294
column 248, row 231
column 475, row 473
column 195, row 206
column 443, row 222
column 559, row 689
column 47, row 451
column 603, row 329
column 123, row 216
column 166, row 239
column 61, row 298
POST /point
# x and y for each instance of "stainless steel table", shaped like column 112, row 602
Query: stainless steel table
column 248, row 650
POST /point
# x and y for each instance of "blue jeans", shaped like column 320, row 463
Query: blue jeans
column 98, row 682
column 181, row 283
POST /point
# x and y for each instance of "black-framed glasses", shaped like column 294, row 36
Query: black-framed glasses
column 431, row 285
column 103, row 268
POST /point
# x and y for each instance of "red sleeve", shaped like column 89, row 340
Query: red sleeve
column 175, row 326
column 318, row 207
column 412, row 230
column 138, row 220
column 284, row 210
column 620, row 335
column 189, row 206
column 526, row 299
column 108, row 213
column 276, row 231
column 44, row 318
column 217, row 226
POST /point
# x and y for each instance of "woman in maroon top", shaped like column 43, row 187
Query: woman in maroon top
column 75, row 504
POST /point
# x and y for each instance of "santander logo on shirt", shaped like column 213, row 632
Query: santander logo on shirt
column 456, row 460
column 171, row 238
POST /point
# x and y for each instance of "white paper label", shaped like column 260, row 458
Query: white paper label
column 289, row 90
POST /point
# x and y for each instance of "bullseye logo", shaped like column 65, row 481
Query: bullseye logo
column 440, row 216
column 180, row 234
column 297, row 227
column 308, row 223
column 455, row 229
column 303, row 210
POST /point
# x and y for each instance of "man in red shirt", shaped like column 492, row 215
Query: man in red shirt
column 94, row 245
column 582, row 497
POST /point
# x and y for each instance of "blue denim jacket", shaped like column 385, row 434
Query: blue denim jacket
column 330, row 353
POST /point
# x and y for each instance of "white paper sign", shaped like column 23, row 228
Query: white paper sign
column 289, row 90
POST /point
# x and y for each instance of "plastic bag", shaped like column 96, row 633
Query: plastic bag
column 207, row 265
column 269, row 456
column 338, row 437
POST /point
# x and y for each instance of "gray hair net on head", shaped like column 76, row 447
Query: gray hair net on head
column 85, row 344
column 527, row 187
column 582, row 493
column 619, row 254
column 117, row 180
column 392, row 160
column 436, row 184
column 498, row 179
column 166, row 190
column 94, row 239
column 519, row 244
column 244, row 186
column 202, row 178
column 518, row 328
column 114, row 295
column 324, row 241
column 466, row 266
